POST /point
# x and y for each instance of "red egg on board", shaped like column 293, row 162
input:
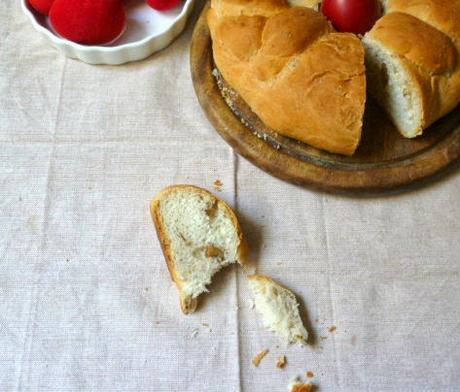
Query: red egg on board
column 353, row 16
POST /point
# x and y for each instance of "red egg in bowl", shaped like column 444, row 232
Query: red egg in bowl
column 146, row 31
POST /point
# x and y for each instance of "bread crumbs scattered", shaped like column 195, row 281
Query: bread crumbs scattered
column 258, row 358
column 332, row 329
column 218, row 185
column 310, row 374
column 323, row 337
column 281, row 363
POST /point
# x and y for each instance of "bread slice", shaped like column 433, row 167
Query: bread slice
column 279, row 309
column 412, row 62
column 199, row 235
column 391, row 82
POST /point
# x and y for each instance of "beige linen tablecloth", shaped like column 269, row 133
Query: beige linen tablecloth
column 86, row 302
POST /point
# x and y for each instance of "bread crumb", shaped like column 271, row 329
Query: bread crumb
column 297, row 385
column 218, row 185
column 323, row 337
column 205, row 324
column 301, row 388
column 258, row 358
column 332, row 329
column 281, row 363
column 194, row 333
column 310, row 374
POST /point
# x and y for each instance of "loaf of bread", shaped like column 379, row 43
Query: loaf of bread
column 412, row 61
column 279, row 309
column 199, row 235
column 296, row 73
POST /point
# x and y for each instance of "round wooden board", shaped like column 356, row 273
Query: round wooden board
column 384, row 161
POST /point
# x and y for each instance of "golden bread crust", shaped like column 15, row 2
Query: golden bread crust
column 300, row 77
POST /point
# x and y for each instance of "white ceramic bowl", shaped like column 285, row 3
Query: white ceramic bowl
column 147, row 31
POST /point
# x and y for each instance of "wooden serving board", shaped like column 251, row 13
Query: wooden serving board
column 384, row 161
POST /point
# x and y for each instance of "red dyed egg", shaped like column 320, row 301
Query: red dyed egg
column 353, row 16
column 88, row 22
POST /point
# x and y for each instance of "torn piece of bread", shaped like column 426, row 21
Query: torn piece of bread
column 413, row 62
column 199, row 235
column 279, row 309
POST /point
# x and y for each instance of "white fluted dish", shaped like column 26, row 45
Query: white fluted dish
column 147, row 32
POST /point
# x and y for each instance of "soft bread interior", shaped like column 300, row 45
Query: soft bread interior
column 390, row 83
column 279, row 309
column 202, row 236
